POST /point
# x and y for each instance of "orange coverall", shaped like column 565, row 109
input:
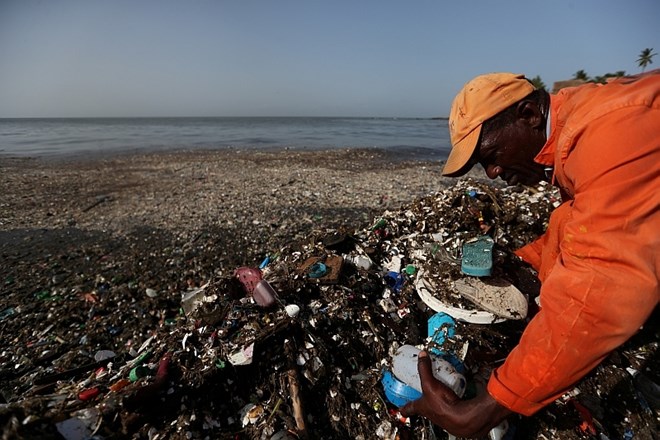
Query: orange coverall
column 598, row 261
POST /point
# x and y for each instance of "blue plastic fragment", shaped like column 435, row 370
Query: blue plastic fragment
column 440, row 327
column 317, row 270
column 265, row 262
column 114, row 330
column 394, row 280
column 477, row 259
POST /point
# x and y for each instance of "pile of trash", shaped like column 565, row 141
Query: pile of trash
column 300, row 344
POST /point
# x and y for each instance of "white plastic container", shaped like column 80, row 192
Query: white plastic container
column 404, row 367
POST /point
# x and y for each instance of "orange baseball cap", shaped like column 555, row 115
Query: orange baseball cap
column 480, row 99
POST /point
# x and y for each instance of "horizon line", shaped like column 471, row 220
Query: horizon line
column 217, row 117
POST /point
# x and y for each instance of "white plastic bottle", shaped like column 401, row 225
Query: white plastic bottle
column 404, row 367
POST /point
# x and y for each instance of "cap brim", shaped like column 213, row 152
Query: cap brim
column 460, row 155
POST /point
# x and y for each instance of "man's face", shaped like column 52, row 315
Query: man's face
column 509, row 153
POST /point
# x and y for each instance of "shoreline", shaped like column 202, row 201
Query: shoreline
column 269, row 197
column 392, row 153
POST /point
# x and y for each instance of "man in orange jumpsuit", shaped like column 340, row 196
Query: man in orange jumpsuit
column 598, row 261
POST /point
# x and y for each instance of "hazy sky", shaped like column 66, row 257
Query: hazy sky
column 62, row 58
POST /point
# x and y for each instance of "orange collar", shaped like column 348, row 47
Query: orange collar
column 547, row 154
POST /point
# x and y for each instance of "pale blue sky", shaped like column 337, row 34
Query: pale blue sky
column 67, row 58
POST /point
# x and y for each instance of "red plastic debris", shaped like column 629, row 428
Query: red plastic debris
column 163, row 367
column 89, row 393
column 399, row 417
column 121, row 383
column 587, row 425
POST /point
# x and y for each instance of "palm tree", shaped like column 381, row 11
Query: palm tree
column 581, row 74
column 538, row 82
column 645, row 58
column 605, row 78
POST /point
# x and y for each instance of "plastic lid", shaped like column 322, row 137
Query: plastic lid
column 397, row 392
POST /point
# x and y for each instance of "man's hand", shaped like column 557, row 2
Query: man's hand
column 439, row 404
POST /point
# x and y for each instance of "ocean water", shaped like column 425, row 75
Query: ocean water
column 423, row 139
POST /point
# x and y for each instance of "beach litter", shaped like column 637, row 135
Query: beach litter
column 315, row 343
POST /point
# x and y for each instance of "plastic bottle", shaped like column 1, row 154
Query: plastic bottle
column 404, row 367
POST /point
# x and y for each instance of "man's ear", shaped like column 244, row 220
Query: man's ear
column 530, row 112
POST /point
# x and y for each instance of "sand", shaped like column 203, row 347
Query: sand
column 96, row 252
column 261, row 198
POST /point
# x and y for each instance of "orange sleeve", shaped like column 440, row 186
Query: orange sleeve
column 531, row 253
column 603, row 283
column 542, row 253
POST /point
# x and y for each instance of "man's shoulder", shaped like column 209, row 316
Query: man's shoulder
column 580, row 106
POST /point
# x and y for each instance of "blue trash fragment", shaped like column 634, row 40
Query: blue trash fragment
column 440, row 327
column 317, row 270
column 264, row 263
column 394, row 280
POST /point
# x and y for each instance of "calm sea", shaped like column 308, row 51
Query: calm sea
column 421, row 139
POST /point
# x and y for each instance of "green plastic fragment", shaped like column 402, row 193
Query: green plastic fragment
column 379, row 224
column 43, row 294
column 138, row 372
